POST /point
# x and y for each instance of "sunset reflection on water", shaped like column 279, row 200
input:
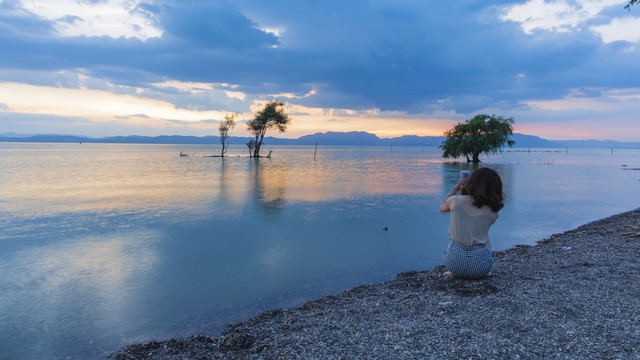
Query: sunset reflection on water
column 102, row 178
column 102, row 245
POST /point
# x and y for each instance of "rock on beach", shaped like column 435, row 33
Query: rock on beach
column 575, row 295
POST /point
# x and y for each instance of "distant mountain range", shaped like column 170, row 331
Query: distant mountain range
column 354, row 138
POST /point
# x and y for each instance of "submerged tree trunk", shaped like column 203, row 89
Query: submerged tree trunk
column 256, row 147
column 256, row 150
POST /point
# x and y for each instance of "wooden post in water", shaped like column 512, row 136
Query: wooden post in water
column 314, row 151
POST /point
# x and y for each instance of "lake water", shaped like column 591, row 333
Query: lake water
column 103, row 245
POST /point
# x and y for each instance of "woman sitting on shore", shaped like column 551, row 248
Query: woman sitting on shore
column 472, row 214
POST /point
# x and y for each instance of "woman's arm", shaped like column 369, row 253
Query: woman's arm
column 447, row 203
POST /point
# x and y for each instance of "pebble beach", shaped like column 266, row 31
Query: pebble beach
column 574, row 295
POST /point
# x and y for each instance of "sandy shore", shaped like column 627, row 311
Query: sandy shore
column 575, row 295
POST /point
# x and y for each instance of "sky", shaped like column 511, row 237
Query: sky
column 562, row 69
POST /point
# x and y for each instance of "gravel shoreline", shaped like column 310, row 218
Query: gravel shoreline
column 575, row 295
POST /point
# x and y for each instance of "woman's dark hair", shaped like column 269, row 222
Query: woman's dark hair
column 485, row 188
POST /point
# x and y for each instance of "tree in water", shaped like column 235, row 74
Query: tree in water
column 224, row 127
column 272, row 116
column 482, row 134
column 251, row 145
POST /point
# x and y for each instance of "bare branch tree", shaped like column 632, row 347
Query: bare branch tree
column 224, row 127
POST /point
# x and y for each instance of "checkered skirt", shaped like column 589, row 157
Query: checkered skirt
column 468, row 262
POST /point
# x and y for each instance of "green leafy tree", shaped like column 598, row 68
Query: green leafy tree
column 272, row 116
column 224, row 127
column 632, row 2
column 482, row 134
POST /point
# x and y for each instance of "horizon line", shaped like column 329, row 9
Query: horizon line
column 8, row 135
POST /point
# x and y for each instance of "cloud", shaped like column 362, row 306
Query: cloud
column 620, row 29
column 236, row 94
column 214, row 25
column 593, row 113
column 27, row 123
column 415, row 58
column 294, row 96
column 191, row 87
column 565, row 16
column 97, row 105
column 356, row 59
column 180, row 122
column 70, row 19
column 113, row 18
column 218, row 42
column 14, row 20
column 590, row 100
column 555, row 16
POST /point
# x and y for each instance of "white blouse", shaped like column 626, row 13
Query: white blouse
column 469, row 224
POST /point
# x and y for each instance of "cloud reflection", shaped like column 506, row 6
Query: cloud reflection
column 102, row 183
column 92, row 280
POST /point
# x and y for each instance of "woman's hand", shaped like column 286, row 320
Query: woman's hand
column 456, row 188
column 446, row 205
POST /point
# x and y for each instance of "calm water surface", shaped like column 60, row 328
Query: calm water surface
column 103, row 245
